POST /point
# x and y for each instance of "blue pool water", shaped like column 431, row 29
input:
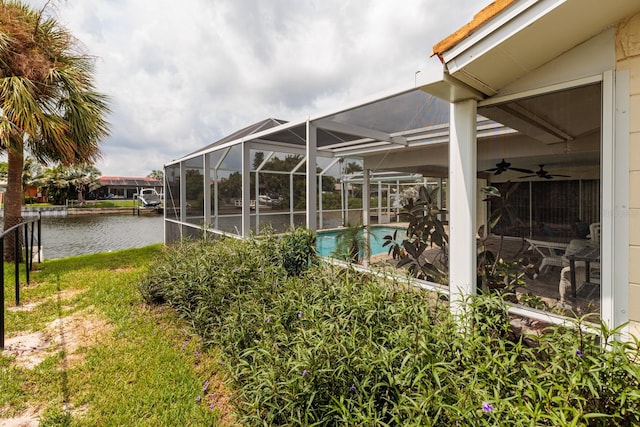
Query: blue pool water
column 326, row 241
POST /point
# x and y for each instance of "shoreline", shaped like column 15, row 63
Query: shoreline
column 62, row 211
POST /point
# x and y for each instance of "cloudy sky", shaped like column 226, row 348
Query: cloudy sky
column 183, row 74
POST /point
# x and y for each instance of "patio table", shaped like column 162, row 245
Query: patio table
column 586, row 255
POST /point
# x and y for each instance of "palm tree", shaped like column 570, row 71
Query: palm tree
column 82, row 177
column 48, row 101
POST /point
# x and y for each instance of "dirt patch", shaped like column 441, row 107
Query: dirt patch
column 68, row 334
column 30, row 418
column 218, row 397
column 25, row 307
column 66, row 295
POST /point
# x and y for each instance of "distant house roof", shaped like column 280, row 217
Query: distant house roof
column 129, row 181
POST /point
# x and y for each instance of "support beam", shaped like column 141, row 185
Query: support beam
column 291, row 201
column 360, row 131
column 257, row 196
column 380, row 202
column 246, row 190
column 462, row 215
column 216, row 203
column 366, row 202
column 320, row 222
column 207, row 190
column 312, row 181
column 398, row 200
column 614, row 216
column 183, row 194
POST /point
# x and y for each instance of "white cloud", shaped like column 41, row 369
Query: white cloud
column 184, row 74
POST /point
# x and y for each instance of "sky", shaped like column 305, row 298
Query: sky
column 181, row 75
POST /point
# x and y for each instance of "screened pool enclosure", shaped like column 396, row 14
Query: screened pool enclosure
column 355, row 165
column 256, row 178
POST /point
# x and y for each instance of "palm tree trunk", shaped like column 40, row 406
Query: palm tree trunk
column 13, row 198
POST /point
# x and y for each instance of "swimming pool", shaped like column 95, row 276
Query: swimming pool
column 326, row 240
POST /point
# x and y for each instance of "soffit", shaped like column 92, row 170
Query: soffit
column 526, row 35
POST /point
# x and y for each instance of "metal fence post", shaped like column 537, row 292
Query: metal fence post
column 2, row 295
column 16, row 253
column 40, row 248
column 26, row 251
column 33, row 231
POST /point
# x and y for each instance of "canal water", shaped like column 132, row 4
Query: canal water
column 88, row 234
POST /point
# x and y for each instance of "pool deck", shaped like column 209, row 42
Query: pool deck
column 545, row 285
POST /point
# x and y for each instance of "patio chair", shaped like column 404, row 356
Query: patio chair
column 594, row 232
column 576, row 245
column 551, row 253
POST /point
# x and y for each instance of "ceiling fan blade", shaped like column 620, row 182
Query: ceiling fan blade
column 529, row 176
column 563, row 176
column 521, row 170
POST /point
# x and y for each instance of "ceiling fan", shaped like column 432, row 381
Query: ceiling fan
column 504, row 166
column 541, row 173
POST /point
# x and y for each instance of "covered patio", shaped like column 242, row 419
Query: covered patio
column 525, row 108
column 363, row 157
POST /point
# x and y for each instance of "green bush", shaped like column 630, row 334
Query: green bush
column 295, row 250
column 337, row 347
column 202, row 280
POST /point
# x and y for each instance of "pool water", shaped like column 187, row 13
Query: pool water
column 326, row 240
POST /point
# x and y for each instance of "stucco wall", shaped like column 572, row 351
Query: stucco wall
column 628, row 58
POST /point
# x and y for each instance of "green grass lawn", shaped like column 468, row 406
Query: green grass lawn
column 112, row 360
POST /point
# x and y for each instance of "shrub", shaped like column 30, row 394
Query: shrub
column 297, row 250
column 201, row 279
column 338, row 347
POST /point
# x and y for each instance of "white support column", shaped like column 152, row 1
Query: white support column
column 614, row 216
column 389, row 201
column 216, row 208
column 320, row 222
column 183, row 194
column 291, row 201
column 257, row 188
column 462, row 215
column 380, row 202
column 439, row 198
column 207, row 191
column 246, row 190
column 366, row 202
column 398, row 199
column 620, row 264
column 312, row 182
column 343, row 205
column 216, row 191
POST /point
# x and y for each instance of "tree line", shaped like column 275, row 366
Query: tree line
column 59, row 183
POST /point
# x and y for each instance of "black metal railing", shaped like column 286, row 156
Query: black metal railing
column 28, row 228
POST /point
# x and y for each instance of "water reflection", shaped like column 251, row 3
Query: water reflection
column 87, row 234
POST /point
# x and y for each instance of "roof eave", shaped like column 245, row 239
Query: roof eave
column 525, row 35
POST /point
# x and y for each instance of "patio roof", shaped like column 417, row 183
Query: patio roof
column 408, row 118
column 476, row 67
